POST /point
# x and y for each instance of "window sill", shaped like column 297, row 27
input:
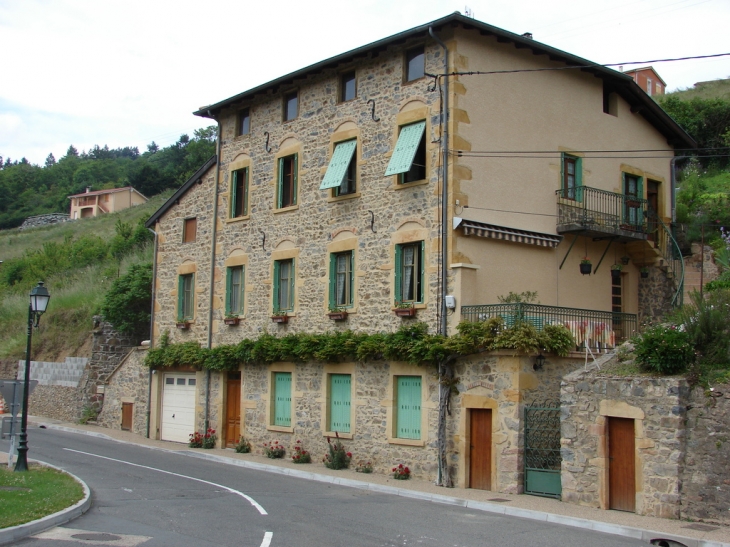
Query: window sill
column 286, row 209
column 332, row 199
column 406, row 442
column 332, row 435
column 238, row 219
column 280, row 428
column 407, row 185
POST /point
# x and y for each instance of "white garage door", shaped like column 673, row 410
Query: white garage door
column 178, row 407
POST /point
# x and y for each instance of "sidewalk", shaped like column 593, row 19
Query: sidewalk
column 692, row 534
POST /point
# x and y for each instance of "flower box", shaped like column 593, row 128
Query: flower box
column 280, row 318
column 231, row 320
column 337, row 315
column 405, row 312
column 183, row 325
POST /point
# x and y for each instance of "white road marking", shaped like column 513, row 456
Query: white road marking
column 238, row 493
column 267, row 539
column 66, row 534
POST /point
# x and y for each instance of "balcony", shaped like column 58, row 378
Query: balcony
column 600, row 331
column 591, row 212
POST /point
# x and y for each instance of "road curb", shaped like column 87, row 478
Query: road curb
column 531, row 514
column 15, row 533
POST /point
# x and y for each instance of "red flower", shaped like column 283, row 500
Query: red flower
column 349, row 454
column 407, row 470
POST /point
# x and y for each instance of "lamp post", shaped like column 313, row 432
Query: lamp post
column 39, row 297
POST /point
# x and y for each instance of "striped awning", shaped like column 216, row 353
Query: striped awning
column 480, row 229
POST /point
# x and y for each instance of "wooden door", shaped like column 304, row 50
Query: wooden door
column 233, row 408
column 127, row 416
column 621, row 464
column 480, row 449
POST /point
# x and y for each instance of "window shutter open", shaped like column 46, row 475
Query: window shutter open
column 296, row 181
column 277, row 281
column 234, row 193
column 229, row 292
column 337, row 168
column 180, row 297
column 422, row 274
column 280, row 184
column 333, row 281
column 291, row 286
column 405, row 148
column 398, row 273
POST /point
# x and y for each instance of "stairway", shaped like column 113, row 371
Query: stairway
column 699, row 266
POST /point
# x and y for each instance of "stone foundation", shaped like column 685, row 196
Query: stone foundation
column 128, row 383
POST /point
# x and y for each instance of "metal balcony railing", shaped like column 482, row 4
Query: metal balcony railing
column 599, row 330
column 585, row 208
column 671, row 254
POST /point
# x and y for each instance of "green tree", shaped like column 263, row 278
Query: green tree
column 127, row 304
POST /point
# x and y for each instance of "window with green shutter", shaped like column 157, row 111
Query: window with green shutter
column 185, row 297
column 341, row 279
column 572, row 177
column 239, row 193
column 408, row 407
column 234, row 290
column 409, row 156
column 287, row 184
column 282, row 399
column 340, row 390
column 409, row 272
column 339, row 171
column 284, row 285
column 633, row 193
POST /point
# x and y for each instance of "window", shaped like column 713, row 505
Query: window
column 347, row 86
column 633, row 192
column 284, row 285
column 282, row 399
column 342, row 170
column 409, row 156
column 291, row 106
column 571, row 178
column 185, row 296
column 408, row 407
column 610, row 100
column 287, row 187
column 415, row 64
column 234, row 290
column 239, row 193
column 190, row 229
column 658, row 88
column 341, row 279
column 409, row 272
column 339, row 407
column 244, row 122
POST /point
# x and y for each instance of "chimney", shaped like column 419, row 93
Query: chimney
column 527, row 35
column 88, row 189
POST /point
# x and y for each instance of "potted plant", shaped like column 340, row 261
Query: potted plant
column 585, row 266
column 231, row 319
column 404, row 309
column 337, row 314
column 644, row 271
column 279, row 316
column 616, row 270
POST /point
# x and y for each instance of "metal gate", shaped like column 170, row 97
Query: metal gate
column 542, row 449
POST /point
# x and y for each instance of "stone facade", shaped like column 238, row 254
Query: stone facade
column 655, row 294
column 128, row 383
column 44, row 220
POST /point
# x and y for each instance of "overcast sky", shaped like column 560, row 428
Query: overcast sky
column 126, row 73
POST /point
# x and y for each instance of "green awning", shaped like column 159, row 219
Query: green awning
column 405, row 148
column 338, row 164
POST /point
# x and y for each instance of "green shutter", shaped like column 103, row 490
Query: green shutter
column 398, row 273
column 333, row 281
column 352, row 278
column 340, row 393
column 244, row 208
column 408, row 420
column 180, row 297
column 234, row 185
column 282, row 399
column 296, row 180
column 228, row 290
column 291, row 286
column 579, row 180
column 337, row 168
column 405, row 148
column 422, row 274
column 280, row 184
column 275, row 301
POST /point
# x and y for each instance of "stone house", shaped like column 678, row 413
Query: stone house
column 367, row 190
column 100, row 202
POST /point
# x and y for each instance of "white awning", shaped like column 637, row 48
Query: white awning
column 480, row 229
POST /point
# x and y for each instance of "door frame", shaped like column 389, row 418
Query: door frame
column 226, row 441
column 469, row 402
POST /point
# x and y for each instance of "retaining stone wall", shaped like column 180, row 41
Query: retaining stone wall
column 655, row 295
column 129, row 383
column 66, row 374
column 44, row 220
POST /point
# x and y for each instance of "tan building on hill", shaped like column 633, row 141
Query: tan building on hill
column 100, row 202
column 339, row 188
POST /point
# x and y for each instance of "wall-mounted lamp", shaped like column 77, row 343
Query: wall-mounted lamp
column 539, row 362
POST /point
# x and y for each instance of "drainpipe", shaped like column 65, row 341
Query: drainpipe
column 212, row 269
column 152, row 334
column 445, row 185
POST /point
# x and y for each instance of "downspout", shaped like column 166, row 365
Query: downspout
column 212, row 269
column 442, row 477
column 152, row 332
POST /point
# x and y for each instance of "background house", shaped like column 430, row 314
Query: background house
column 368, row 185
column 99, row 202
column 648, row 79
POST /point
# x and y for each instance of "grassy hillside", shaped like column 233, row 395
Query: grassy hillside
column 76, row 294
column 714, row 89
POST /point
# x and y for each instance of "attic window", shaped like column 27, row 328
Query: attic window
column 415, row 64
column 610, row 100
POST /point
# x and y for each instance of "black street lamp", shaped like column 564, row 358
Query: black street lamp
column 39, row 298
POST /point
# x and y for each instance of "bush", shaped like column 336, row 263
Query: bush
column 127, row 304
column 300, row 455
column 243, row 446
column 274, row 450
column 707, row 323
column 664, row 349
column 338, row 457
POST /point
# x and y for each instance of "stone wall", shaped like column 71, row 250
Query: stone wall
column 655, row 294
column 706, row 477
column 128, row 383
column 44, row 220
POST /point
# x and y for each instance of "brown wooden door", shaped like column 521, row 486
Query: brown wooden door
column 621, row 464
column 127, row 416
column 480, row 449
column 233, row 408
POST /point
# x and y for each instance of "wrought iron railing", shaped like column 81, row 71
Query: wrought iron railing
column 664, row 241
column 599, row 330
column 542, row 449
column 593, row 208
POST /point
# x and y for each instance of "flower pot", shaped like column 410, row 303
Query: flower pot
column 585, row 269
column 615, row 274
column 280, row 318
column 183, row 325
column 405, row 312
column 337, row 315
column 644, row 275
column 231, row 320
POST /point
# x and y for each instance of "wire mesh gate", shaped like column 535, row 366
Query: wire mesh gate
column 542, row 449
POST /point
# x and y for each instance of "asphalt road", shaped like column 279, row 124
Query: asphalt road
column 143, row 496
